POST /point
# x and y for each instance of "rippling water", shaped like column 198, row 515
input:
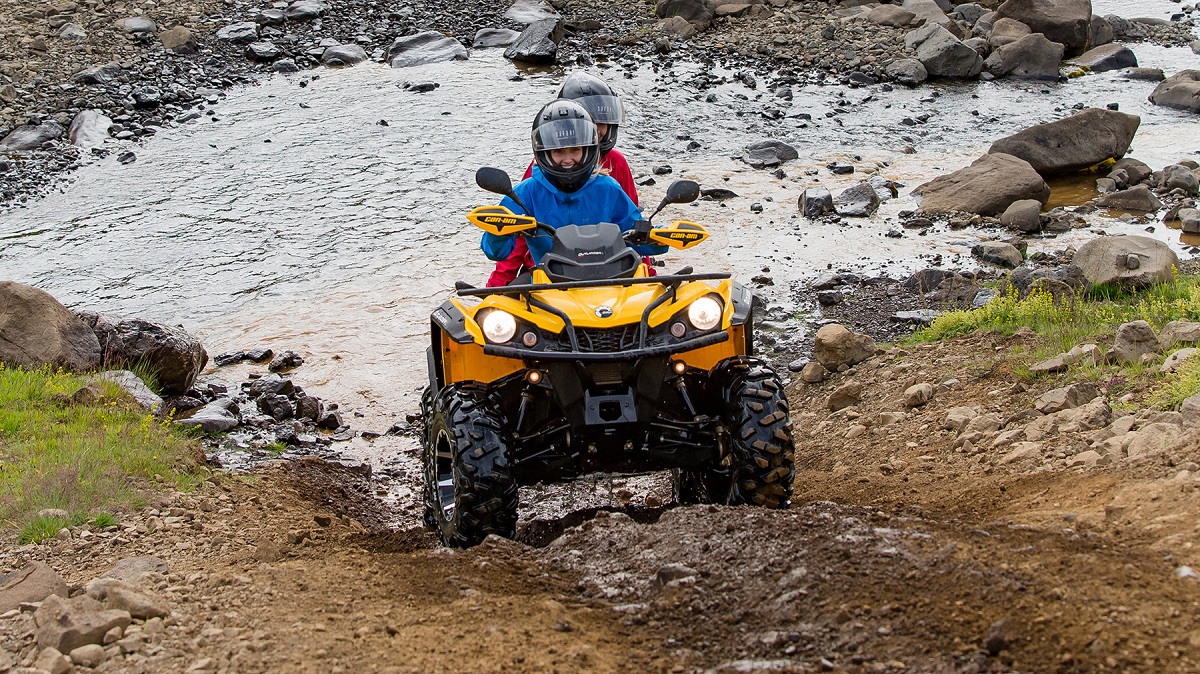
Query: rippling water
column 297, row 220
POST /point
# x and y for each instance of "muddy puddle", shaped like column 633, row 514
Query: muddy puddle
column 328, row 218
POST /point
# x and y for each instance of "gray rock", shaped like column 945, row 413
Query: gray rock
column 859, row 201
column 1138, row 198
column 835, row 346
column 1181, row 90
column 1136, row 261
column 1144, row 74
column 1189, row 220
column 174, row 356
column 262, row 51
column 72, row 31
column 270, row 17
column 970, row 12
column 891, row 15
column 134, row 386
column 67, row 624
column 304, row 11
column 91, row 655
column 138, row 24
column 1063, row 21
column 942, row 54
column 424, row 48
column 239, row 33
column 1177, row 358
column 31, row 137
column 117, row 594
column 815, row 202
column 89, row 129
column 494, row 37
column 1023, row 215
column 1065, row 398
column 1178, row 176
column 1106, row 57
column 846, row 395
column 769, row 153
column 35, row 330
column 1134, row 171
column 988, row 186
column 50, row 661
column 813, row 372
column 537, row 44
column 925, row 280
column 1006, row 31
column 998, row 253
column 1072, row 143
column 1100, row 31
column 1031, row 57
column 1179, row 332
column 285, row 66
column 692, row 10
column 918, row 395
column 916, row 316
column 215, row 417
column 931, row 11
column 103, row 74
column 1133, row 339
column 129, row 569
column 671, row 573
column 271, row 384
column 31, row 583
column 526, row 12
column 343, row 55
column 179, row 40
column 909, row 72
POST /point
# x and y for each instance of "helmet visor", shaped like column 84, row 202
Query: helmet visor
column 604, row 109
column 562, row 133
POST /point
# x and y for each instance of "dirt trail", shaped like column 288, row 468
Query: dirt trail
column 901, row 554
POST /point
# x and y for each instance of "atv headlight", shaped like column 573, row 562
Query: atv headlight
column 498, row 326
column 705, row 313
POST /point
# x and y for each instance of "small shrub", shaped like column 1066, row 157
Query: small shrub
column 1178, row 386
column 41, row 529
column 104, row 520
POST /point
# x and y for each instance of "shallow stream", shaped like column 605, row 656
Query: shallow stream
column 329, row 218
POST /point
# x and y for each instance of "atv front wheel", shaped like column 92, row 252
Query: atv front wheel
column 760, row 461
column 470, row 490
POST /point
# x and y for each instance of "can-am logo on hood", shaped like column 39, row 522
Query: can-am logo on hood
column 589, row 253
column 604, row 312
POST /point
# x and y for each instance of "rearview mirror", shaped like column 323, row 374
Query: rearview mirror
column 494, row 180
column 682, row 192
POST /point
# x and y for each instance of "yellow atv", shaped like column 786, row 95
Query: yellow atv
column 593, row 365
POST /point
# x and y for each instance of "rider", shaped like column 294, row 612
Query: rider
column 607, row 113
column 566, row 187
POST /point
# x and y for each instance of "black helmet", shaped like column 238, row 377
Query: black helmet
column 562, row 124
column 599, row 100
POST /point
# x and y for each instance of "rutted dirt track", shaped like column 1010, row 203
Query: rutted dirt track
column 932, row 560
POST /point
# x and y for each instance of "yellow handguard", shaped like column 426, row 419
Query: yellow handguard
column 680, row 234
column 500, row 221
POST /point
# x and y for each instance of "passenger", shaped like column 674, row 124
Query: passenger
column 566, row 186
column 608, row 114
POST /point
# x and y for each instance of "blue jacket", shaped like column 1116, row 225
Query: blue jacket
column 600, row 199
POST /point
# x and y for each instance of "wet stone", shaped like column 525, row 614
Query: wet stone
column 259, row 355
column 262, row 51
column 285, row 361
column 840, row 168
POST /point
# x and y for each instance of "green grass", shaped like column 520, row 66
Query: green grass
column 104, row 520
column 1092, row 317
column 93, row 458
column 41, row 528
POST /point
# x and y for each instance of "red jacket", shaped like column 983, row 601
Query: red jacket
column 507, row 269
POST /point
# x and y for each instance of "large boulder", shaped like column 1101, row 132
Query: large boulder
column 31, row 136
column 836, row 346
column 988, row 186
column 859, row 201
column 1106, row 57
column 423, row 48
column 909, row 72
column 1063, row 21
column 891, row 15
column 1180, row 177
column 215, row 417
column 1024, row 215
column 135, row 387
column 31, row 583
column 494, row 37
column 343, row 55
column 1132, row 341
column 170, row 353
column 942, row 54
column 1181, row 90
column 1127, row 260
column 929, row 10
column 1031, row 57
column 239, row 33
column 67, row 624
column 538, row 43
column 36, row 330
column 1100, row 31
column 701, row 11
column 998, row 253
column 1076, row 142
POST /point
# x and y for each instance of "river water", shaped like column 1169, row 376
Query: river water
column 329, row 218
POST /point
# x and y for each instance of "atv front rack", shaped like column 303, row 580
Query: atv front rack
column 672, row 281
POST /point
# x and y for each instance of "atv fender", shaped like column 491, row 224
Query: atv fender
column 743, row 301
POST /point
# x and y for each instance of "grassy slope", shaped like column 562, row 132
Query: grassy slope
column 84, row 458
column 1091, row 318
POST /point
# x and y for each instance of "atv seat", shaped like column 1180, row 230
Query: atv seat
column 589, row 253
